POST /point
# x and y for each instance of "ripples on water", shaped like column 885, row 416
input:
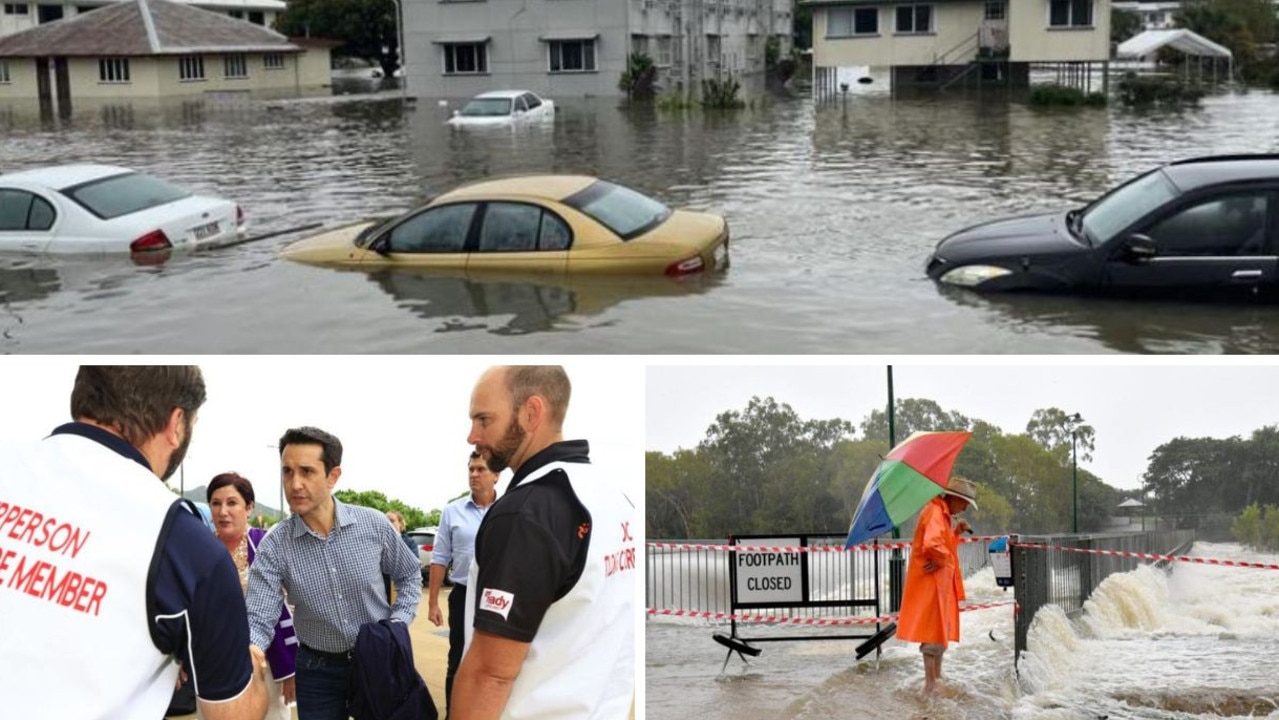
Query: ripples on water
column 1197, row 644
column 833, row 208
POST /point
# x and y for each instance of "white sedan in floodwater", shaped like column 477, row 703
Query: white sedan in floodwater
column 108, row 209
column 504, row 107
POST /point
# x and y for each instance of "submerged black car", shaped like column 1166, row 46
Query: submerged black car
column 1208, row 226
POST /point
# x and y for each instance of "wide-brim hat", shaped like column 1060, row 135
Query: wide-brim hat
column 963, row 488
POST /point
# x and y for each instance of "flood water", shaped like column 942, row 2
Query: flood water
column 833, row 208
column 1197, row 643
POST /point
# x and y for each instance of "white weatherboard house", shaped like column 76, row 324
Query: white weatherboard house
column 153, row 48
column 565, row 48
column 23, row 15
column 948, row 41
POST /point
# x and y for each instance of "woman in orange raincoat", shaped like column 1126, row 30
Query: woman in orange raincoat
column 934, row 583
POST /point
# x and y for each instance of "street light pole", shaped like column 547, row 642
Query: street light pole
column 1074, row 470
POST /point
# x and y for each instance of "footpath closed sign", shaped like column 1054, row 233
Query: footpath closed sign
column 765, row 576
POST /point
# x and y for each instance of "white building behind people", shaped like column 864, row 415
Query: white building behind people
column 566, row 48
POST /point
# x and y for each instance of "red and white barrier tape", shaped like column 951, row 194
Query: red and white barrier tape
column 668, row 612
column 1152, row 556
column 811, row 548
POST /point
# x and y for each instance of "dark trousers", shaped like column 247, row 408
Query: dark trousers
column 457, row 638
column 322, row 685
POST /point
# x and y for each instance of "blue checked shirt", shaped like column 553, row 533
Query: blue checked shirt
column 334, row 582
column 455, row 540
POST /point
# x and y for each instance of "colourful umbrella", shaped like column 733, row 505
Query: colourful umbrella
column 914, row 472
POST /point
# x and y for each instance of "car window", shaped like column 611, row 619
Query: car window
column 123, row 194
column 532, row 100
column 487, row 107
column 510, row 227
column 520, row 105
column 1233, row 225
column 438, row 230
column 42, row 214
column 1127, row 204
column 555, row 234
column 15, row 206
column 622, row 210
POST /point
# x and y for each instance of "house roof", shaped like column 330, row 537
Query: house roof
column 143, row 27
column 1131, row 502
column 1145, row 43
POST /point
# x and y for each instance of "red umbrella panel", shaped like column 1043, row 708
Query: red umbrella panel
column 914, row 472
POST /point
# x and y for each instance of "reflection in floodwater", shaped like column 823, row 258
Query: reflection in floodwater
column 832, row 206
column 513, row 305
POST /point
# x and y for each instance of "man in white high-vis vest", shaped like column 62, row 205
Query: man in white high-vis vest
column 107, row 582
column 550, row 628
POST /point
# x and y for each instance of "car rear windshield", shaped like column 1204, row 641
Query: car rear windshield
column 123, row 194
column 488, row 107
column 620, row 209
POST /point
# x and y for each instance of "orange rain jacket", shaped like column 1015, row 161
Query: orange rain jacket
column 930, row 601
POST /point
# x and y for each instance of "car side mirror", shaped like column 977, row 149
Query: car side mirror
column 1140, row 248
column 456, row 113
column 382, row 245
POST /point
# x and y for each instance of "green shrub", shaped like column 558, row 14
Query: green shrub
column 1141, row 91
column 721, row 94
column 1257, row 527
column 1052, row 94
column 640, row 79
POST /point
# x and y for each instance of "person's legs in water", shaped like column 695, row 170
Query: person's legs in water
column 932, row 653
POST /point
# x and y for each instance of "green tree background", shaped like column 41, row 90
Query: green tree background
column 764, row 467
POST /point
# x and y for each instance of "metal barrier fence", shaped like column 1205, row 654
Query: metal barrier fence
column 1066, row 579
column 694, row 574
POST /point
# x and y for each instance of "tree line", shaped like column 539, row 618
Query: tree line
column 764, row 469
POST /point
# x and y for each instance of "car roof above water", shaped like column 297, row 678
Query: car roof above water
column 506, row 94
column 1198, row 172
column 64, row 176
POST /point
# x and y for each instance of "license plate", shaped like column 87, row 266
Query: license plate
column 205, row 231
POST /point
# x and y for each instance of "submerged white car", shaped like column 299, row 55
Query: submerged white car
column 503, row 107
column 108, row 209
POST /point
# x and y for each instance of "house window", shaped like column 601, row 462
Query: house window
column 639, row 44
column 257, row 18
column 113, row 70
column 572, row 56
column 914, row 18
column 237, row 14
column 664, row 51
column 996, row 9
column 235, row 66
column 16, row 9
column 1070, row 13
column 4, row 72
column 191, row 67
column 848, row 21
column 713, row 49
column 465, row 59
column 273, row 61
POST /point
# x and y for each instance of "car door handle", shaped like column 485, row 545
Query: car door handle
column 1246, row 275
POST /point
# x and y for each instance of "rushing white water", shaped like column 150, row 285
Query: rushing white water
column 1197, row 642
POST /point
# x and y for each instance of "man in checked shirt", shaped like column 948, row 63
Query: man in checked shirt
column 330, row 557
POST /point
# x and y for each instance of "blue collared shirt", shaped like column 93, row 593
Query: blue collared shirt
column 455, row 541
column 334, row 582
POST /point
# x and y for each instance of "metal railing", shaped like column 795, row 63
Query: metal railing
column 687, row 577
column 1066, row 579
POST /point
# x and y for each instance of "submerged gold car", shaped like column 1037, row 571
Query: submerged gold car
column 535, row 223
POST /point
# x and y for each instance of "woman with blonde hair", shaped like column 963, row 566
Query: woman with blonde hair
column 231, row 502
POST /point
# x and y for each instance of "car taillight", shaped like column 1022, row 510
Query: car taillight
column 239, row 215
column 151, row 242
column 687, row 266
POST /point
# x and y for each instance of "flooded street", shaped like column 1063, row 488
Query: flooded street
column 833, row 208
column 1195, row 644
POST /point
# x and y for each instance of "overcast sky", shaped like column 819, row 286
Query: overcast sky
column 402, row 421
column 1134, row 408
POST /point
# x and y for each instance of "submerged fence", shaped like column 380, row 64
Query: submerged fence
column 1063, row 570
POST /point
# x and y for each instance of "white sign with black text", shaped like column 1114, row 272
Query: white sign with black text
column 764, row 576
